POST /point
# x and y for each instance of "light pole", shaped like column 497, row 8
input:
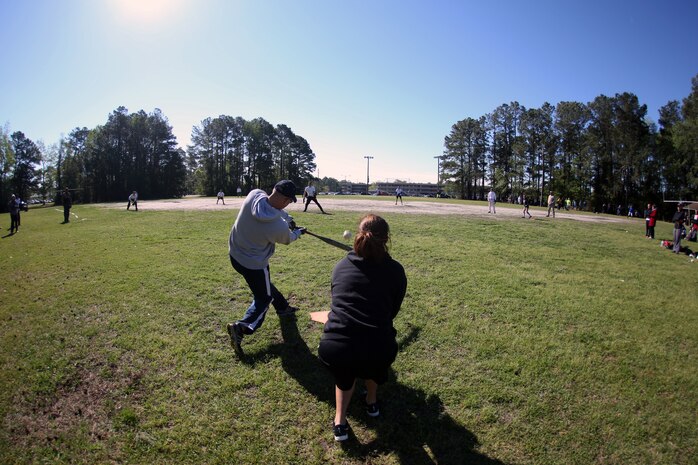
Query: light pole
column 438, row 173
column 368, row 164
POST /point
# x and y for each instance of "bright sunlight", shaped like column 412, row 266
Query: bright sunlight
column 146, row 11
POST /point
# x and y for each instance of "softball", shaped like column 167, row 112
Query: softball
column 347, row 234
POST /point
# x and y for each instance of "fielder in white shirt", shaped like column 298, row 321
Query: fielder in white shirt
column 491, row 200
column 310, row 194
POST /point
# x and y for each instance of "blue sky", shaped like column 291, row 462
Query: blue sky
column 381, row 78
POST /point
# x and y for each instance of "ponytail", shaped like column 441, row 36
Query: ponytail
column 371, row 241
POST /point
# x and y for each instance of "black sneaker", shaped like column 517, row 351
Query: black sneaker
column 287, row 311
column 372, row 410
column 341, row 432
column 235, row 333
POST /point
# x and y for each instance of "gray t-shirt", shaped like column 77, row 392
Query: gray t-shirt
column 257, row 229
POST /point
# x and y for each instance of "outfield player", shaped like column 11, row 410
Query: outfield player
column 491, row 201
column 398, row 195
column 132, row 200
column 551, row 204
column 310, row 195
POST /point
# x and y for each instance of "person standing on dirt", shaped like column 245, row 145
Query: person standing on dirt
column 551, row 204
column 221, row 196
column 133, row 200
column 524, row 200
column 491, row 201
column 310, row 195
column 398, row 195
column 67, row 205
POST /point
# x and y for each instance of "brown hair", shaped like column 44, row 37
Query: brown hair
column 371, row 241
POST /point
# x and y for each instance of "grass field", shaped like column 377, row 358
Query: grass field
column 522, row 342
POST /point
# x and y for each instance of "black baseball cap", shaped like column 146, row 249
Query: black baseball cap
column 287, row 189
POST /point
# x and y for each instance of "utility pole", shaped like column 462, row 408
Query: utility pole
column 368, row 164
column 438, row 174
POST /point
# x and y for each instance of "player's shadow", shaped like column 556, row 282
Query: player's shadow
column 413, row 424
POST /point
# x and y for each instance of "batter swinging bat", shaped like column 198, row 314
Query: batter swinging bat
column 327, row 240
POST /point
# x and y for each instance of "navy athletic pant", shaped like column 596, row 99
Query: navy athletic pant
column 264, row 293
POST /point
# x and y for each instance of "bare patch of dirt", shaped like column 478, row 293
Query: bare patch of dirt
column 332, row 203
column 87, row 401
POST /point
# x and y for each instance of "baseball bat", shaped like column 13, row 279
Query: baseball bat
column 327, row 240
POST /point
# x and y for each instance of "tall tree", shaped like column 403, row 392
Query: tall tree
column 685, row 139
column 504, row 126
column 7, row 160
column 571, row 121
column 462, row 161
column 26, row 158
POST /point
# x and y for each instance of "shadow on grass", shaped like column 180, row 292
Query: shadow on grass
column 413, row 424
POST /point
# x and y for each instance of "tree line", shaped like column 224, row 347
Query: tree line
column 602, row 152
column 229, row 153
column 138, row 151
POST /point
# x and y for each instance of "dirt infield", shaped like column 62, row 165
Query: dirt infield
column 364, row 204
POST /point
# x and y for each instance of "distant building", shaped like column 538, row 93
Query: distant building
column 414, row 189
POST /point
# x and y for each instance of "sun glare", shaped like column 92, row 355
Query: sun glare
column 146, row 11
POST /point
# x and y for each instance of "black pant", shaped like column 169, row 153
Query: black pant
column 14, row 222
column 66, row 214
column 314, row 199
column 264, row 294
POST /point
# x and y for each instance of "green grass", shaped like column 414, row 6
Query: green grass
column 522, row 341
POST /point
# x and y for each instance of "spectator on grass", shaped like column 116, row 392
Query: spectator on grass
column 358, row 340
column 261, row 223
column 13, row 205
column 678, row 219
column 132, row 200
column 652, row 221
column 67, row 204
column 491, row 201
column 693, row 234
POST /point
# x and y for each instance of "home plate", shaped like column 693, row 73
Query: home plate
column 320, row 317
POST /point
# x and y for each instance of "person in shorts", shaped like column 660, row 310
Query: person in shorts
column 525, row 207
column 358, row 340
